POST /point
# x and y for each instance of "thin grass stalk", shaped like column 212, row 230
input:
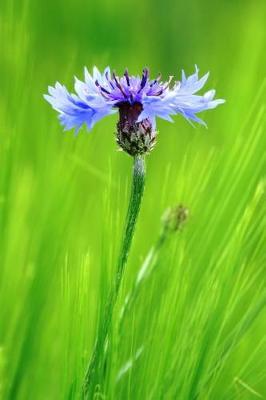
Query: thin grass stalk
column 173, row 221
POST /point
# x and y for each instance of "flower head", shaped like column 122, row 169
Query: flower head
column 138, row 99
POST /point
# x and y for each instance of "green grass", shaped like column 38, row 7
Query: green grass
column 196, row 329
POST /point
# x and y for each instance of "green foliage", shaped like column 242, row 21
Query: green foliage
column 196, row 329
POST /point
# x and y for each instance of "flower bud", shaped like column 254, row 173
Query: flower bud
column 175, row 217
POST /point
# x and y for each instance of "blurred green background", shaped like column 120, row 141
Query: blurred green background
column 63, row 200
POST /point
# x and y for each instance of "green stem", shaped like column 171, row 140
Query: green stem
column 146, row 269
column 97, row 360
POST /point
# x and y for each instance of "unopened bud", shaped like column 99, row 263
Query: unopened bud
column 175, row 217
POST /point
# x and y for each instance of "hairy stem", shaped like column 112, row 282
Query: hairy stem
column 96, row 363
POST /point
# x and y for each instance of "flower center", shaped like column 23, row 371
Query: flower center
column 134, row 137
column 129, row 113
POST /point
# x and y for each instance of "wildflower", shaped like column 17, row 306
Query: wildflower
column 138, row 99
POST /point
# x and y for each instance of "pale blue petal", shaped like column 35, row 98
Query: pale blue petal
column 78, row 109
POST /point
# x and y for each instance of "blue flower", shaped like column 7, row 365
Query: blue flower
column 138, row 99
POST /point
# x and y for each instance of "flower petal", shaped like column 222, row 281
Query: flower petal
column 181, row 99
column 76, row 110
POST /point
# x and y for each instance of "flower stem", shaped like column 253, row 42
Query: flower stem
column 96, row 363
column 147, row 268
